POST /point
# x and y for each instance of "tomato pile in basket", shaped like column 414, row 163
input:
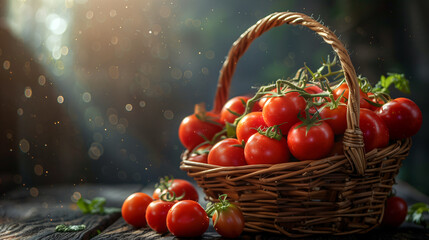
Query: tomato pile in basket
column 303, row 118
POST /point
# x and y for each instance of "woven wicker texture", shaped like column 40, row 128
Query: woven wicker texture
column 336, row 195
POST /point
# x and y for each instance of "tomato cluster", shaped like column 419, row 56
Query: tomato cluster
column 299, row 119
column 175, row 209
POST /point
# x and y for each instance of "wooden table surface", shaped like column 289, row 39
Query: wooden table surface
column 34, row 214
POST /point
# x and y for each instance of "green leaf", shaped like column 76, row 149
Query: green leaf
column 398, row 80
column 95, row 206
column 69, row 228
column 416, row 213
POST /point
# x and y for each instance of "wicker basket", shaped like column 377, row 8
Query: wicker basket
column 336, row 195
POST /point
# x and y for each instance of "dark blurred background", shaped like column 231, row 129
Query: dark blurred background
column 94, row 91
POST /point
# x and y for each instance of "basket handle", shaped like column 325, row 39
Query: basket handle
column 353, row 138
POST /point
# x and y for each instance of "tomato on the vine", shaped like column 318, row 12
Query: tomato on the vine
column 265, row 98
column 261, row 149
column 235, row 107
column 375, row 131
column 227, row 152
column 187, row 219
column 156, row 215
column 345, row 88
column 178, row 187
column 284, row 110
column 336, row 118
column 310, row 144
column 198, row 128
column 200, row 155
column 395, row 212
column 228, row 220
column 134, row 209
column 402, row 117
column 248, row 125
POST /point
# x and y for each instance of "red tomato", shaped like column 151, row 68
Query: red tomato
column 192, row 129
column 156, row 215
column 345, row 88
column 178, row 187
column 375, row 100
column 263, row 100
column 261, row 149
column 229, row 222
column 313, row 89
column 134, row 209
column 284, row 111
column 402, row 117
column 375, row 131
column 248, row 125
column 227, row 152
column 201, row 158
column 315, row 144
column 235, row 107
column 336, row 118
column 187, row 219
column 200, row 155
column 395, row 212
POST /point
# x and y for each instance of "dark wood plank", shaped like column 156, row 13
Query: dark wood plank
column 25, row 217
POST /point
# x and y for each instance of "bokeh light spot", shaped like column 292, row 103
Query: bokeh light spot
column 210, row 54
column 38, row 169
column 142, row 104
column 168, row 114
column 95, row 151
column 6, row 65
column 60, row 99
column 205, row 71
column 164, row 11
column 28, row 92
column 24, row 145
column 187, row 74
column 34, row 192
column 113, row 119
column 129, row 107
column 86, row 97
column 89, row 15
column 20, row 111
column 176, row 73
column 112, row 13
column 41, row 80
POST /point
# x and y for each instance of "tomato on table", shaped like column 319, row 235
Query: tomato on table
column 228, row 220
column 187, row 219
column 402, row 117
column 156, row 215
column 395, row 212
column 134, row 209
column 177, row 186
column 227, row 152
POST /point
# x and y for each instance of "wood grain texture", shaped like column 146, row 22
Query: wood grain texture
column 25, row 217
